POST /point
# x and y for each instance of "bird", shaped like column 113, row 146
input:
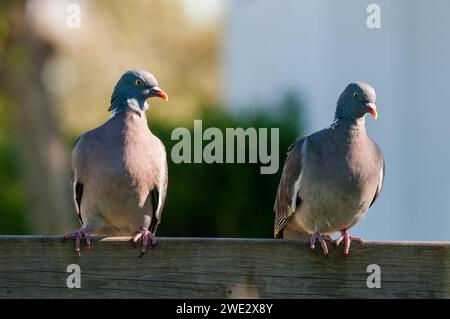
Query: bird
column 119, row 169
column 331, row 177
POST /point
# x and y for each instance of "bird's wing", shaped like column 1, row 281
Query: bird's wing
column 158, row 194
column 77, row 186
column 287, row 199
column 381, row 181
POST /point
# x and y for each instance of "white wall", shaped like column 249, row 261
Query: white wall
column 316, row 48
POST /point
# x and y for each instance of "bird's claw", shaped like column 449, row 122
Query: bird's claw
column 347, row 239
column 146, row 235
column 322, row 240
column 78, row 236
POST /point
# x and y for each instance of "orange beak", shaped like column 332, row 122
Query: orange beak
column 372, row 109
column 160, row 93
column 163, row 95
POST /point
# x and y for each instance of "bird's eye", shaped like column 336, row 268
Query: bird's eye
column 355, row 94
column 138, row 82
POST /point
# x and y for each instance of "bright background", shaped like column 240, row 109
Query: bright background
column 231, row 63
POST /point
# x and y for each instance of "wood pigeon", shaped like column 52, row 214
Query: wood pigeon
column 332, row 177
column 119, row 169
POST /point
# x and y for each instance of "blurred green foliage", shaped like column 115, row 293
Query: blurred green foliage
column 12, row 197
column 12, row 201
column 226, row 200
column 12, row 194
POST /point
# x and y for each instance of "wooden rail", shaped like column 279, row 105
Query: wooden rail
column 36, row 267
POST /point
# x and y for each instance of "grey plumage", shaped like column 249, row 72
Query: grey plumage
column 119, row 170
column 331, row 177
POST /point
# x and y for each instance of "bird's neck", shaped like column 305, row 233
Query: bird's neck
column 353, row 126
column 121, row 104
column 130, row 120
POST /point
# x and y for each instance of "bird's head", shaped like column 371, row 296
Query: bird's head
column 132, row 91
column 356, row 101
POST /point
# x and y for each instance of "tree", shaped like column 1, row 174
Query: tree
column 36, row 134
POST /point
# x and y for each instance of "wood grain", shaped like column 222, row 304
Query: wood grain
column 35, row 267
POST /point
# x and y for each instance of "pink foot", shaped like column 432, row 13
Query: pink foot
column 345, row 236
column 322, row 239
column 146, row 236
column 78, row 236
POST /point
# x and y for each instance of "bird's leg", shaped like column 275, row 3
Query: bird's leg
column 322, row 239
column 78, row 235
column 345, row 236
column 146, row 235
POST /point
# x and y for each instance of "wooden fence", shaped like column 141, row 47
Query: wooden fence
column 37, row 267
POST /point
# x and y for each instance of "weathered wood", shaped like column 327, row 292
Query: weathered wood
column 35, row 267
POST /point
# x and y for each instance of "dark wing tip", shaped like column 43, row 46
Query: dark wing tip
column 78, row 195
column 381, row 182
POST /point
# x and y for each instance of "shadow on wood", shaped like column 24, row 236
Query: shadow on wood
column 35, row 267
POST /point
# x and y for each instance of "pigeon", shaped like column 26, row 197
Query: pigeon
column 119, row 169
column 332, row 177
